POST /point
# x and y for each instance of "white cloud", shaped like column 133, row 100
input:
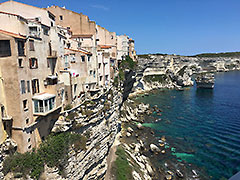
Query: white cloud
column 100, row 7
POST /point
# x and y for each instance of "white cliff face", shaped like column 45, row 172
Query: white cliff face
column 178, row 69
column 92, row 162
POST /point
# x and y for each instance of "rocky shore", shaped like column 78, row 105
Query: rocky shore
column 153, row 155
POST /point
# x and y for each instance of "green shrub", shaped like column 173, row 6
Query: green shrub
column 155, row 78
column 68, row 107
column 87, row 112
column 53, row 152
column 121, row 167
column 71, row 115
column 121, row 75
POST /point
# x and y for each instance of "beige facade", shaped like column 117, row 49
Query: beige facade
column 31, row 88
column 82, row 42
column 132, row 52
column 48, row 58
column 122, row 47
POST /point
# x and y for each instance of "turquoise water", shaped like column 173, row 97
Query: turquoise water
column 203, row 124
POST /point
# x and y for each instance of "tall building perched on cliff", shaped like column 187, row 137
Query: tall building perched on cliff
column 49, row 57
column 29, row 64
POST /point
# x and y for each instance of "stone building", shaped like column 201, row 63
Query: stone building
column 49, row 57
column 122, row 47
column 29, row 62
column 82, row 42
column 132, row 52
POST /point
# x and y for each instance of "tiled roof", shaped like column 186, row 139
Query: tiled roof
column 105, row 47
column 12, row 34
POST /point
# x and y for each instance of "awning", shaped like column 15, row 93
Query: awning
column 43, row 96
column 52, row 77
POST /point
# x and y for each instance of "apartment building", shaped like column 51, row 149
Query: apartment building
column 83, row 43
column 49, row 57
column 132, row 52
column 122, row 47
column 32, row 94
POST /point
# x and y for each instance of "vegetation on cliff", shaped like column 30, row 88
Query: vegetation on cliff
column 155, row 78
column 121, row 167
column 52, row 152
column 226, row 54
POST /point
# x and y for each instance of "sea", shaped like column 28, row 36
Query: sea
column 202, row 124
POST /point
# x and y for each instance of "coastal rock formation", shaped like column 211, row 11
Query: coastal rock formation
column 172, row 71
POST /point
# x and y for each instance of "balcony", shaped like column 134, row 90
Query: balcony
column 7, row 118
column 43, row 104
column 51, row 80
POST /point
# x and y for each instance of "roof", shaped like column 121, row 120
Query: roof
column 12, row 34
column 79, row 50
column 11, row 1
column 43, row 96
column 105, row 47
column 2, row 12
column 82, row 36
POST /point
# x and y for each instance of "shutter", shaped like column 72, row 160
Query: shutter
column 36, row 61
column 30, row 63
column 33, row 87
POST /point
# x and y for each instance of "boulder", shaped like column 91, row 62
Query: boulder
column 154, row 148
column 139, row 126
column 129, row 129
column 128, row 134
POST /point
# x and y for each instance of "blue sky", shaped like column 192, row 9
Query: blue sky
column 184, row 27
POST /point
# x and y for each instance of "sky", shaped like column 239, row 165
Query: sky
column 184, row 27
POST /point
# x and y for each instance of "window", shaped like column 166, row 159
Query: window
column 106, row 77
column 23, row 90
column 45, row 31
column 29, row 147
column 99, row 65
column 43, row 106
column 72, row 58
column 20, row 63
column 33, row 31
column 89, row 58
column 29, row 139
column 91, row 72
column 68, row 45
column 79, row 44
column 75, row 88
column 51, row 24
column 5, row 49
column 94, row 74
column 25, row 105
column 83, row 58
column 28, row 86
column 31, row 45
column 35, row 86
column 33, row 63
column 61, row 17
column 27, row 121
column 100, row 78
column 20, row 48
